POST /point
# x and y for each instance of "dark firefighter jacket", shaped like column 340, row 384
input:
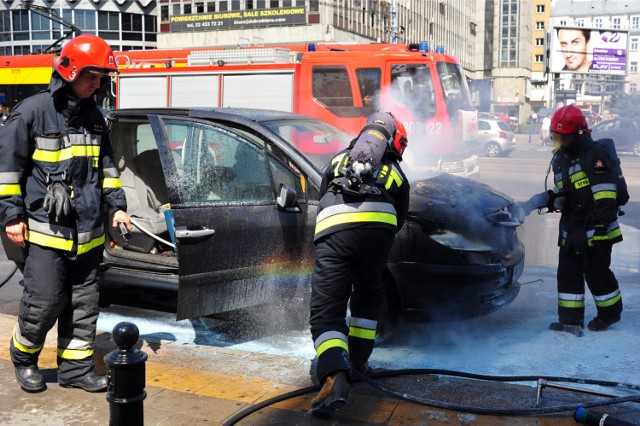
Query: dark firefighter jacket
column 338, row 211
column 584, row 176
column 50, row 137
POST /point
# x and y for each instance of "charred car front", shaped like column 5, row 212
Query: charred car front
column 225, row 200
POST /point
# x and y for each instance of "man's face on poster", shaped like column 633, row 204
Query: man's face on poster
column 574, row 49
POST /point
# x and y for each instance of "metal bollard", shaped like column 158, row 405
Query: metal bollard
column 126, row 374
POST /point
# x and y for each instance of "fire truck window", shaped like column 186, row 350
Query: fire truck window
column 331, row 87
column 369, row 85
column 454, row 87
column 412, row 86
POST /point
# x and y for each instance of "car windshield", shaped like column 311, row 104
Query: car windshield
column 454, row 86
column 318, row 141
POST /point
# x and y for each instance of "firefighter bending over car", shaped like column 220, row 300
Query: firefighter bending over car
column 56, row 171
column 364, row 202
column 589, row 188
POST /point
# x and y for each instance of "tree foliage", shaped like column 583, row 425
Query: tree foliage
column 626, row 104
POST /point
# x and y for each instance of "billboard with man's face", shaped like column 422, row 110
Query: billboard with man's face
column 588, row 50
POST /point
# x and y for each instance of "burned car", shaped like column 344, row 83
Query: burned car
column 224, row 203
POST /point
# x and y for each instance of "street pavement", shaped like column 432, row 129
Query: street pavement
column 193, row 384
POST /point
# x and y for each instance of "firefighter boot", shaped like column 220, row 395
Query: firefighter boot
column 601, row 324
column 332, row 396
column 30, row 379
column 90, row 382
column 569, row 328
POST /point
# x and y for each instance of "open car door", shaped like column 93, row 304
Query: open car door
column 235, row 247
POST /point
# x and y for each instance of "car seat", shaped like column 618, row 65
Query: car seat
column 143, row 206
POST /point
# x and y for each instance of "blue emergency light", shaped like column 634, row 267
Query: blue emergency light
column 311, row 47
column 423, row 46
column 440, row 49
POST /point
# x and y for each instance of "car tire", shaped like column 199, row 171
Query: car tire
column 636, row 148
column 492, row 149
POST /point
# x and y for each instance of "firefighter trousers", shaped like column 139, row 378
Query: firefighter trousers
column 592, row 266
column 63, row 289
column 348, row 265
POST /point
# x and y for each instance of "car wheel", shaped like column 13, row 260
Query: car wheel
column 492, row 149
column 636, row 148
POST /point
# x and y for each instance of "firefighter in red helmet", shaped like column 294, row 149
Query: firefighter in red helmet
column 586, row 193
column 364, row 202
column 56, row 174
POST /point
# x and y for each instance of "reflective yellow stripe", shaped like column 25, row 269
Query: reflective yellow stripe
column 111, row 183
column 22, row 348
column 13, row 189
column 96, row 242
column 66, row 153
column 578, row 176
column 49, row 241
column 393, row 177
column 356, row 217
column 362, row 333
column 582, row 183
column 571, row 303
column 612, row 301
column 74, row 353
column 332, row 343
column 604, row 194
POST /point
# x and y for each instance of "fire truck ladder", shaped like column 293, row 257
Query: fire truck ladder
column 266, row 55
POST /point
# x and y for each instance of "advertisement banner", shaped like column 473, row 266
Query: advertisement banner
column 588, row 50
column 239, row 19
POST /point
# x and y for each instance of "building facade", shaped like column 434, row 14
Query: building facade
column 124, row 24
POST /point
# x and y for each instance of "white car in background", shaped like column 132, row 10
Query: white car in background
column 496, row 137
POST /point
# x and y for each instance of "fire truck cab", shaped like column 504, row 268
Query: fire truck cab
column 341, row 84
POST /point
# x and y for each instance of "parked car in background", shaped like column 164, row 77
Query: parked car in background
column 496, row 137
column 625, row 133
column 225, row 202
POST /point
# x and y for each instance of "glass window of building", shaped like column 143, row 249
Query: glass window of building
column 539, row 59
column 164, row 13
column 635, row 22
column 634, row 43
column 131, row 26
column 40, row 27
column 540, row 42
column 540, row 8
column 540, row 25
column 633, row 67
column 109, row 25
column 598, row 22
column 187, row 9
column 211, row 6
column 616, row 23
column 20, row 25
column 222, row 6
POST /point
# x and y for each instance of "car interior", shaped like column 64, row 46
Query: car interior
column 141, row 176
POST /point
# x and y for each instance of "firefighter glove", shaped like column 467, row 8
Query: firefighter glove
column 57, row 201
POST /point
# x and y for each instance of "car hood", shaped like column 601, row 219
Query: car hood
column 448, row 203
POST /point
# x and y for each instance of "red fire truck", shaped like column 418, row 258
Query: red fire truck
column 339, row 83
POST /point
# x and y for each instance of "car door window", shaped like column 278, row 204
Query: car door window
column 483, row 125
column 217, row 165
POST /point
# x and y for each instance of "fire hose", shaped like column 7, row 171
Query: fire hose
column 370, row 380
